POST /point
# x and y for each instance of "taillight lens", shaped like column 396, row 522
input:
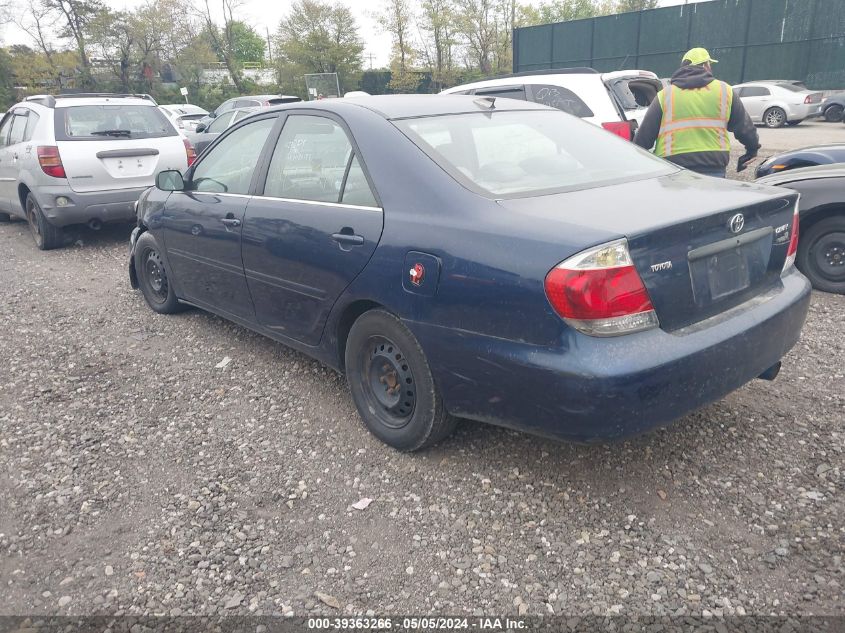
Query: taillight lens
column 808, row 99
column 190, row 151
column 620, row 128
column 51, row 161
column 792, row 251
column 600, row 293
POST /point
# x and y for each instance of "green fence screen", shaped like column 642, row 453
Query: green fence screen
column 752, row 39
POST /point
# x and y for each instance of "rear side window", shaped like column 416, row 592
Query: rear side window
column 562, row 99
column 313, row 160
column 18, row 131
column 111, row 122
column 220, row 123
column 519, row 153
column 31, row 123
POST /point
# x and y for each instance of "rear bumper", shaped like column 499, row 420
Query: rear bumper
column 104, row 206
column 805, row 111
column 593, row 389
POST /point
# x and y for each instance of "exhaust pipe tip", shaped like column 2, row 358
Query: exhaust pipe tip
column 95, row 224
column 771, row 373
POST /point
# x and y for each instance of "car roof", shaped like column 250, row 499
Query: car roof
column 83, row 101
column 413, row 106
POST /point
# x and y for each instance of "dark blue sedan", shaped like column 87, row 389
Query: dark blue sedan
column 481, row 258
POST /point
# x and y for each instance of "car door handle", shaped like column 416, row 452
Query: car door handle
column 231, row 222
column 349, row 239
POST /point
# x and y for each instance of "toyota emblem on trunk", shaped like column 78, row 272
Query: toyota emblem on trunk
column 736, row 223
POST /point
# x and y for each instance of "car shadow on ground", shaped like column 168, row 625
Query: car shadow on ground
column 82, row 236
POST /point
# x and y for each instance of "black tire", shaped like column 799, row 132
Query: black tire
column 152, row 276
column 392, row 385
column 774, row 117
column 5, row 217
column 794, row 123
column 833, row 114
column 47, row 236
column 821, row 254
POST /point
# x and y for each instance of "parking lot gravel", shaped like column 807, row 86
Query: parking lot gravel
column 137, row 477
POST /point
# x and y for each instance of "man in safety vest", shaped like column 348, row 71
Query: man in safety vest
column 689, row 121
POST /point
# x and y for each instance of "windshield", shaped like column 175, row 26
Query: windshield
column 113, row 121
column 517, row 153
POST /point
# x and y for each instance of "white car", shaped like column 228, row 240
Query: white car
column 634, row 90
column 185, row 116
column 578, row 91
column 779, row 103
column 83, row 159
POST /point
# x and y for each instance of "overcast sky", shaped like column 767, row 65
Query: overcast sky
column 266, row 14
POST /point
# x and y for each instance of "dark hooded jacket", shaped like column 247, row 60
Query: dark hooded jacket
column 688, row 77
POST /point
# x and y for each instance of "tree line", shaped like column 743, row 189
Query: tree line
column 86, row 45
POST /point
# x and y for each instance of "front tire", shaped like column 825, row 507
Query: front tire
column 821, row 255
column 774, row 117
column 153, row 276
column 47, row 236
column 833, row 114
column 392, row 385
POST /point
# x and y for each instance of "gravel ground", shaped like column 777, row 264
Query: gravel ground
column 137, row 478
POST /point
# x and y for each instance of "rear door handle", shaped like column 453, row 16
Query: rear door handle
column 349, row 239
column 231, row 222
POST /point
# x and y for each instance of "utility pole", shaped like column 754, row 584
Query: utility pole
column 269, row 45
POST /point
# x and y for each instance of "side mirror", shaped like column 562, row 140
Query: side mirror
column 201, row 127
column 170, row 180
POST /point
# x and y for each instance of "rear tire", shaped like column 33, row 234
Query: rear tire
column 821, row 254
column 774, row 117
column 833, row 114
column 152, row 276
column 392, row 385
column 47, row 236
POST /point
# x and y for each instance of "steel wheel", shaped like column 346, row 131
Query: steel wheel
column 774, row 117
column 390, row 385
column 834, row 113
column 154, row 275
column 828, row 256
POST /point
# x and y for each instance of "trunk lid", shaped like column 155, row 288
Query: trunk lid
column 684, row 237
column 99, row 165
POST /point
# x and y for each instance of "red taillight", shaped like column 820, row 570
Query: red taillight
column 600, row 293
column 190, row 151
column 51, row 161
column 808, row 99
column 792, row 251
column 620, row 128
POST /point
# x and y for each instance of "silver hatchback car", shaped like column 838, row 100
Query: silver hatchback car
column 83, row 159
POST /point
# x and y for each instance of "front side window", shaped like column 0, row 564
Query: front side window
column 229, row 166
column 4, row 129
column 518, row 153
column 312, row 160
column 110, row 122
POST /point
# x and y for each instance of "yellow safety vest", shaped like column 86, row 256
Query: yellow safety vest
column 694, row 120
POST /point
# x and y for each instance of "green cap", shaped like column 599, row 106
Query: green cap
column 697, row 56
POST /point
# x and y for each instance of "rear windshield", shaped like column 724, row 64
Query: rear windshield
column 521, row 153
column 793, row 87
column 111, row 122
